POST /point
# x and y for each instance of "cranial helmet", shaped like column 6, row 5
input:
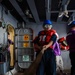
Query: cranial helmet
column 47, row 22
column 72, row 24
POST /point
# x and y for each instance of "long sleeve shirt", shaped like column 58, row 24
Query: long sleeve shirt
column 71, row 40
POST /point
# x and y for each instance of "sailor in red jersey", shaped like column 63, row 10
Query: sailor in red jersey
column 45, row 39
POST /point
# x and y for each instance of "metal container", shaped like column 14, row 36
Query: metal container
column 25, row 52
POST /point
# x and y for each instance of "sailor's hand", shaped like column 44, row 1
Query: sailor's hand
column 44, row 48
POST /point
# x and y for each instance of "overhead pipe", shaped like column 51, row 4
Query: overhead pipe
column 67, row 2
column 56, row 11
column 48, row 6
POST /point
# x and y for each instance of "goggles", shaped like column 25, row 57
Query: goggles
column 47, row 26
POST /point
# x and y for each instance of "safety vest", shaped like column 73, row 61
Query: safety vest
column 45, row 36
column 63, row 44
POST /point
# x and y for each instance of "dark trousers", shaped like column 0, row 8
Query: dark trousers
column 8, row 57
column 47, row 64
column 72, row 58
